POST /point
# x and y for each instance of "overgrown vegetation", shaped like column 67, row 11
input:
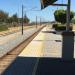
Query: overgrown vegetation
column 73, row 20
column 59, row 27
column 60, row 16
column 10, row 21
column 3, row 27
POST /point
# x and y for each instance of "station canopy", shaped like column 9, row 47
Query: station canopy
column 45, row 3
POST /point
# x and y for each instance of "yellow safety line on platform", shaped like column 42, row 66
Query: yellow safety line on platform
column 34, row 49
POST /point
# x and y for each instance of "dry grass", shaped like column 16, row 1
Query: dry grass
column 14, row 29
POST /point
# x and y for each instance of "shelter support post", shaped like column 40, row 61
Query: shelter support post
column 68, row 39
column 68, row 15
column 68, row 45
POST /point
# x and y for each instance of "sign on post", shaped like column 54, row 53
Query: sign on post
column 45, row 3
column 68, row 36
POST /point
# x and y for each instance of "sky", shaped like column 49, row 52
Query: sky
column 32, row 9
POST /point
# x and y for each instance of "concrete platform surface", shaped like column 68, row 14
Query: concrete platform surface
column 43, row 56
column 45, row 44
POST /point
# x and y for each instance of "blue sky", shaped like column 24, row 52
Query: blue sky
column 14, row 6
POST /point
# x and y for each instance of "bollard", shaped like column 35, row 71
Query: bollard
column 68, row 45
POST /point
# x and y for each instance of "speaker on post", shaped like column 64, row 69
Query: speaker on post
column 45, row 3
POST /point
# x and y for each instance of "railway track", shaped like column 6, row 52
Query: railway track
column 7, row 59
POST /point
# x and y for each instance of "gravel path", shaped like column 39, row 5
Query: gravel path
column 8, row 42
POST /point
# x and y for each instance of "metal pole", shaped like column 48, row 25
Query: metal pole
column 58, row 4
column 68, row 15
column 25, row 18
column 22, row 19
column 40, row 21
column 36, row 21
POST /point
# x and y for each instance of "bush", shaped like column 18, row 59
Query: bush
column 3, row 28
column 54, row 25
column 60, row 16
column 61, row 27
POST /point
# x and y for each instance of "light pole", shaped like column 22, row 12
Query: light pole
column 36, row 21
column 25, row 16
column 22, row 18
column 68, row 15
column 40, row 21
column 36, row 18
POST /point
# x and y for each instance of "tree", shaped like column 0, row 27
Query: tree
column 3, row 16
column 26, row 19
column 73, row 20
column 60, row 16
column 20, row 20
column 9, row 20
column 15, row 18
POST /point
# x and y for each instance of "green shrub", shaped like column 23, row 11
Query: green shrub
column 61, row 27
column 60, row 16
column 3, row 28
column 54, row 25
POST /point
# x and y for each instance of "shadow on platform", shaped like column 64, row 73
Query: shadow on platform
column 53, row 66
column 21, row 66
column 46, row 66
